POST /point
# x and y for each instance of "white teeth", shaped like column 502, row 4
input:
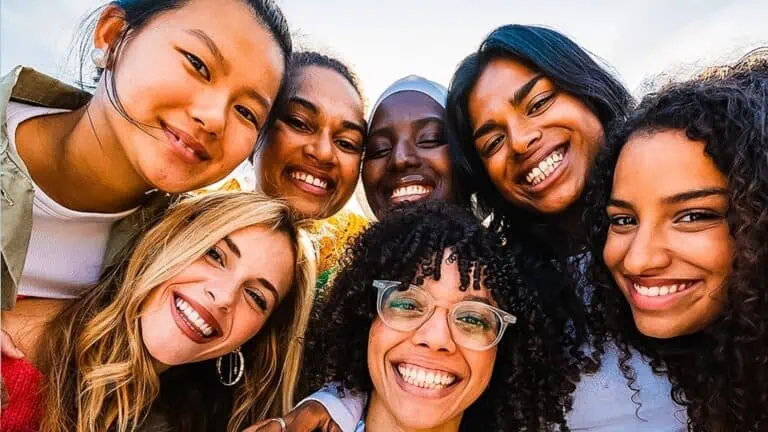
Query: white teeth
column 661, row 290
column 545, row 167
column 411, row 190
column 425, row 378
column 309, row 179
column 194, row 318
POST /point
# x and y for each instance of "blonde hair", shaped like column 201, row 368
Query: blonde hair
column 100, row 375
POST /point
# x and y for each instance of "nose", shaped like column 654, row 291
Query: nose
column 210, row 113
column 404, row 156
column 648, row 252
column 222, row 295
column 523, row 136
column 320, row 150
column 435, row 334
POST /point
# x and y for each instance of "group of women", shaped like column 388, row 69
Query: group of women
column 547, row 253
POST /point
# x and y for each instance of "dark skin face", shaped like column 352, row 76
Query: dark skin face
column 407, row 155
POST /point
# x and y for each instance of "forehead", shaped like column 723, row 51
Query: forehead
column 663, row 164
column 247, row 45
column 499, row 80
column 267, row 254
column 330, row 92
column 405, row 106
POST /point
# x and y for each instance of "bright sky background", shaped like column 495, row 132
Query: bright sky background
column 385, row 40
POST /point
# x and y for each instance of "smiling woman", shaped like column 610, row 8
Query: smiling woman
column 680, row 254
column 312, row 153
column 438, row 330
column 201, row 321
column 176, row 106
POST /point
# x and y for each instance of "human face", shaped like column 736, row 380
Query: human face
column 407, row 156
column 199, row 90
column 396, row 360
column 537, row 142
column 221, row 300
column 313, row 155
column 668, row 247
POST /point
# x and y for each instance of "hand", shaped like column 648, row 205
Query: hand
column 307, row 417
column 8, row 348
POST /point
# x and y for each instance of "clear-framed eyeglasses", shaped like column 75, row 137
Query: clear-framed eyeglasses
column 474, row 325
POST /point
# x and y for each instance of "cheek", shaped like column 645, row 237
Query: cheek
column 481, row 365
column 381, row 340
column 239, row 141
column 350, row 172
column 246, row 323
column 613, row 252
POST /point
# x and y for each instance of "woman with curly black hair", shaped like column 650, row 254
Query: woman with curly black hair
column 680, row 237
column 416, row 322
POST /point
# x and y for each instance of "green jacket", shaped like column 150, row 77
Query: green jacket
column 31, row 87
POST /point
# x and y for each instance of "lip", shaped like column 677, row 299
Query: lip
column 204, row 314
column 306, row 187
column 405, row 181
column 533, row 162
column 180, row 141
column 658, row 303
column 422, row 392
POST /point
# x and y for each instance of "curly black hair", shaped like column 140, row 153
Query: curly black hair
column 719, row 374
column 529, row 388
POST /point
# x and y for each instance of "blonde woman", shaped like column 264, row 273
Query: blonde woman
column 201, row 321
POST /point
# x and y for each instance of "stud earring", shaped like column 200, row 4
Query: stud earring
column 99, row 57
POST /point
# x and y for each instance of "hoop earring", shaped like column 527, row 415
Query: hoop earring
column 99, row 57
column 235, row 368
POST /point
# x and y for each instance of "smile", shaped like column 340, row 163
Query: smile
column 656, row 291
column 194, row 320
column 313, row 184
column 309, row 179
column 546, row 167
column 186, row 146
column 411, row 192
column 431, row 379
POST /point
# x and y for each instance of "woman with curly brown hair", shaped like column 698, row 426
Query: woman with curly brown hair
column 416, row 323
column 680, row 243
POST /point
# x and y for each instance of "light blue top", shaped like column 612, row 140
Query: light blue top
column 602, row 402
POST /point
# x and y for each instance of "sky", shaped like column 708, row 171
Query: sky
column 383, row 41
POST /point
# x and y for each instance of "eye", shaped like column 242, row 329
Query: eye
column 540, row 104
column 405, row 305
column 258, row 298
column 199, row 66
column 697, row 216
column 216, row 255
column 493, row 145
column 622, row 220
column 297, row 124
column 245, row 112
column 431, row 142
column 375, row 154
column 348, row 146
column 473, row 321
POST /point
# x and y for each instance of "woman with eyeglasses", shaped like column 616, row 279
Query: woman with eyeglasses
column 430, row 324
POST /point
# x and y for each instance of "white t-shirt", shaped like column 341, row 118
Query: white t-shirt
column 66, row 248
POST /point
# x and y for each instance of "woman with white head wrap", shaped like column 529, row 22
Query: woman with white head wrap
column 406, row 156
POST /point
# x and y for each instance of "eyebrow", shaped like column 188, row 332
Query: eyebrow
column 203, row 36
column 346, row 124
column 484, row 129
column 525, row 89
column 271, row 288
column 232, row 246
column 470, row 297
column 677, row 198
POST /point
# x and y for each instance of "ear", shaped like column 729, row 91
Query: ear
column 109, row 28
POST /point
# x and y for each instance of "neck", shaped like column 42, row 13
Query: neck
column 77, row 160
column 380, row 419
